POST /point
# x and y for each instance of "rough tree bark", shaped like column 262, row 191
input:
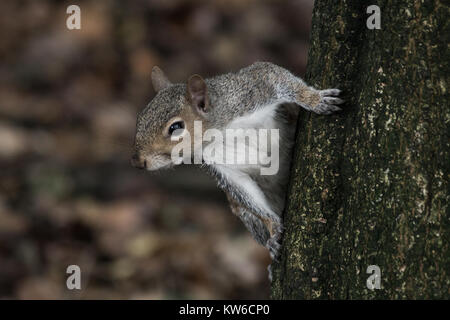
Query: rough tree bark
column 370, row 186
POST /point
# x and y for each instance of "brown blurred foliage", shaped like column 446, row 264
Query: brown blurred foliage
column 68, row 106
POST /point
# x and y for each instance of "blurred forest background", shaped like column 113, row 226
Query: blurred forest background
column 68, row 108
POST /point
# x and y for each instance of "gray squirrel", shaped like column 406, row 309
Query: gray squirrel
column 262, row 95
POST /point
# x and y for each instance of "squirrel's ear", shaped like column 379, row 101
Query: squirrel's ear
column 197, row 93
column 159, row 79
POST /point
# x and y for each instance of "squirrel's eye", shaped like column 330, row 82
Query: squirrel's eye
column 175, row 126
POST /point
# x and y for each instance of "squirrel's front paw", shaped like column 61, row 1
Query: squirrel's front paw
column 328, row 101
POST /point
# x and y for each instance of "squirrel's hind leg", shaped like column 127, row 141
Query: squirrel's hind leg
column 253, row 224
column 265, row 231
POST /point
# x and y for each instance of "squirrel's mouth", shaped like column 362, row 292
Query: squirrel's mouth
column 158, row 162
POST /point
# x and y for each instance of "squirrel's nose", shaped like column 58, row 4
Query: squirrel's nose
column 138, row 161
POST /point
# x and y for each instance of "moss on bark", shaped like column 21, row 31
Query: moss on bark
column 370, row 186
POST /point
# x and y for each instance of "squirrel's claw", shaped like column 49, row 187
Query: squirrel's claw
column 274, row 248
column 328, row 101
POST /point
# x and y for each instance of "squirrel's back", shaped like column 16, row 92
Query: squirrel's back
column 236, row 94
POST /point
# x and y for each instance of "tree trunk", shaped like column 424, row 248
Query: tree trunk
column 370, row 186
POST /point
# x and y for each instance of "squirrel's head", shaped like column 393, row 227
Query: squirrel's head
column 167, row 118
